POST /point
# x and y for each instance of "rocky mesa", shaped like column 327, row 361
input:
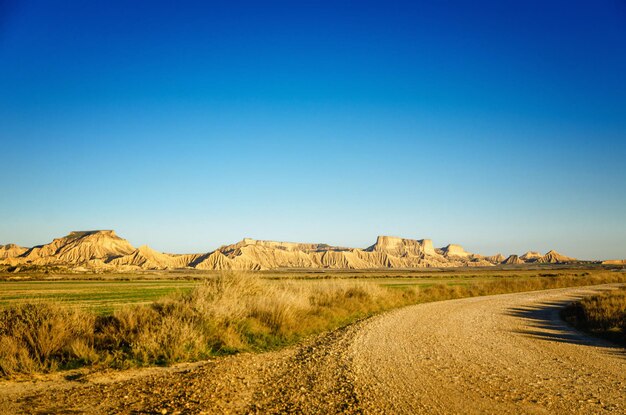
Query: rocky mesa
column 104, row 249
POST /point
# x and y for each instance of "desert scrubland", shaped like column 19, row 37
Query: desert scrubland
column 509, row 353
column 90, row 324
column 49, row 325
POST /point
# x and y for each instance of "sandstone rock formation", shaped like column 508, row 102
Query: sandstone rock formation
column 402, row 247
column 553, row 257
column 11, row 251
column 453, row 250
column 79, row 248
column 106, row 250
column 496, row 259
column 614, row 262
column 531, row 256
column 513, row 260
column 147, row 258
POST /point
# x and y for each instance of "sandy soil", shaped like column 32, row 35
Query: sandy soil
column 498, row 354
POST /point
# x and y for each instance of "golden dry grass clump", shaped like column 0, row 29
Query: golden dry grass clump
column 226, row 314
column 604, row 315
column 39, row 337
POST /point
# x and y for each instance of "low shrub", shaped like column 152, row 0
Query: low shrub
column 225, row 314
column 603, row 315
column 40, row 337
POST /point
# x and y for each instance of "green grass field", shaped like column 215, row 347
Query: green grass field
column 101, row 297
column 104, row 293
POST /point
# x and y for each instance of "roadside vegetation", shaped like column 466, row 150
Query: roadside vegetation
column 603, row 315
column 227, row 313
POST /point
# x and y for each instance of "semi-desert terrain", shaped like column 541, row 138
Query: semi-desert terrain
column 90, row 324
column 506, row 353
column 313, row 207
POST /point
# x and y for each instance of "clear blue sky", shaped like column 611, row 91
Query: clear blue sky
column 494, row 124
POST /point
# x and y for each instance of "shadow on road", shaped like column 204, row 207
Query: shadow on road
column 545, row 323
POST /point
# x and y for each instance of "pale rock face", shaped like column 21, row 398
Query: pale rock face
column 11, row 251
column 388, row 244
column 285, row 246
column 403, row 247
column 429, row 249
column 147, row 258
column 496, row 259
column 531, row 255
column 614, row 262
column 513, row 260
column 104, row 249
column 455, row 250
column 80, row 247
column 553, row 257
column 387, row 252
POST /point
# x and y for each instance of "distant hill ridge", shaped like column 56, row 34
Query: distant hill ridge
column 104, row 249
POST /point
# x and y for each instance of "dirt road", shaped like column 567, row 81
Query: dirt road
column 498, row 354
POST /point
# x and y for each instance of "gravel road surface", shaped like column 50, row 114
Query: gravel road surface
column 498, row 354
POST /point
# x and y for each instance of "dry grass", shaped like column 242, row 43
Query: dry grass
column 40, row 337
column 603, row 315
column 226, row 314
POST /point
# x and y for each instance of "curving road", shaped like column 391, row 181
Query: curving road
column 498, row 354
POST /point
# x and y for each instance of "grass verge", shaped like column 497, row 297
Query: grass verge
column 226, row 314
column 603, row 315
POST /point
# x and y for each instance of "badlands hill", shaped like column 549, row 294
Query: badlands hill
column 11, row 250
column 105, row 250
column 79, row 248
column 614, row 262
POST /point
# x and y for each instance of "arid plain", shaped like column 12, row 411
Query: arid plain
column 90, row 324
column 327, row 207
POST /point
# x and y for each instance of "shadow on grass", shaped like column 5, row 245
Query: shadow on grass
column 545, row 323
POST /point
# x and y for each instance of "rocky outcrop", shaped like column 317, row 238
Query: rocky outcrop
column 453, row 250
column 531, row 256
column 11, row 251
column 147, row 258
column 402, row 247
column 513, row 260
column 79, row 248
column 614, row 262
column 104, row 249
column 553, row 257
column 495, row 259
